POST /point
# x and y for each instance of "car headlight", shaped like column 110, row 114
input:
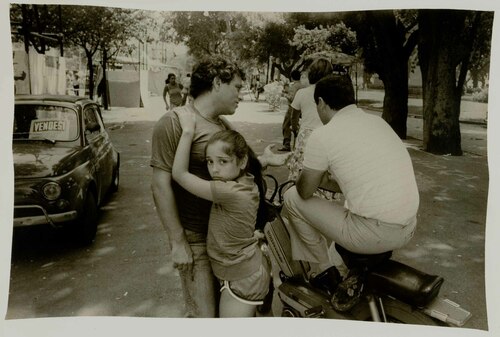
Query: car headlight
column 51, row 191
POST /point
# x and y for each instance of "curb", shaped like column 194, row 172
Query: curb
column 463, row 121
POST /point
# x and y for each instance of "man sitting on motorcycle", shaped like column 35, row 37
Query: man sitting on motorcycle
column 359, row 155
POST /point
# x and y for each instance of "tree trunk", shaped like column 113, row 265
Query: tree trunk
column 90, row 67
column 395, row 111
column 440, row 55
column 392, row 56
column 105, row 92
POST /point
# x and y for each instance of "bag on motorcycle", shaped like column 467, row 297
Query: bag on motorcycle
column 278, row 240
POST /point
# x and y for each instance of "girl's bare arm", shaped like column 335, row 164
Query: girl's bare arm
column 180, row 169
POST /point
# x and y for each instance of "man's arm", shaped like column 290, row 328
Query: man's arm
column 329, row 184
column 308, row 182
column 167, row 210
column 268, row 157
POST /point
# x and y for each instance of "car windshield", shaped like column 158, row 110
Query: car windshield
column 45, row 122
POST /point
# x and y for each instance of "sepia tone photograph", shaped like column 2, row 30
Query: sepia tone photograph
column 308, row 168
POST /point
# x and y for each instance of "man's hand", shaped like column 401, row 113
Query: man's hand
column 269, row 158
column 182, row 256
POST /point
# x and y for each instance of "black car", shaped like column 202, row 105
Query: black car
column 64, row 163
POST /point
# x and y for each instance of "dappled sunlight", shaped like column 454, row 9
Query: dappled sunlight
column 104, row 251
column 60, row 277
column 425, row 183
column 50, row 264
column 167, row 269
column 426, row 251
column 109, row 207
column 443, row 198
column 98, row 309
column 104, row 230
column 141, row 309
column 62, row 294
column 438, row 246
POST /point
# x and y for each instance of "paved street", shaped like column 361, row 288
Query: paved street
column 127, row 271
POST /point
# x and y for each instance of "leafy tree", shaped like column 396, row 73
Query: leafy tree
column 209, row 33
column 388, row 39
column 36, row 25
column 274, row 40
column 480, row 58
column 97, row 28
column 302, row 34
column 447, row 40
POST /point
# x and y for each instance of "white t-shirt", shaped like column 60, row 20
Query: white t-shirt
column 369, row 162
column 304, row 101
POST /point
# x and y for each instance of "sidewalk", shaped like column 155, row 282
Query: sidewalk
column 470, row 112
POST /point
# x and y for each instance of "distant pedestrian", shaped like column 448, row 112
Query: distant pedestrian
column 76, row 84
column 291, row 125
column 186, row 84
column 174, row 92
column 303, row 105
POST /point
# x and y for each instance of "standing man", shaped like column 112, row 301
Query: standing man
column 291, row 122
column 360, row 155
column 215, row 88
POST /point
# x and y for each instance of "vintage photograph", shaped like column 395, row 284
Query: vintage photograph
column 319, row 165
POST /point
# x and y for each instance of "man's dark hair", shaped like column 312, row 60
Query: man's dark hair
column 295, row 75
column 335, row 90
column 205, row 72
column 318, row 69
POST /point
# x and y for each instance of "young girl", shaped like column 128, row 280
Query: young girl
column 232, row 243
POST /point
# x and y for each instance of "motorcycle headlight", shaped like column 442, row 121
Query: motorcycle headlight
column 51, row 191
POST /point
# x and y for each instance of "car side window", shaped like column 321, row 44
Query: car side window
column 98, row 116
column 91, row 120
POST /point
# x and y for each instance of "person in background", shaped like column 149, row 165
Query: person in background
column 291, row 125
column 173, row 90
column 186, row 83
column 360, row 155
column 75, row 81
column 303, row 105
column 215, row 88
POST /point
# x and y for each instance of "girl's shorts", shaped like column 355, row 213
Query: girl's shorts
column 251, row 289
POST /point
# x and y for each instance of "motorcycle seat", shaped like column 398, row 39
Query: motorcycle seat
column 361, row 261
column 405, row 283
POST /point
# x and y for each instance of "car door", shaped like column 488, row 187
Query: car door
column 97, row 140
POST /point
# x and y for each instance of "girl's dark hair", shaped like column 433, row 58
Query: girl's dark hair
column 318, row 69
column 238, row 147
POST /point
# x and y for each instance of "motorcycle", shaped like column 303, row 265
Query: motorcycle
column 390, row 290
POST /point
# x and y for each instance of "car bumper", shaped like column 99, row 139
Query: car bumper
column 42, row 219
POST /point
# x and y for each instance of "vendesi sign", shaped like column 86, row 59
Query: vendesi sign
column 56, row 129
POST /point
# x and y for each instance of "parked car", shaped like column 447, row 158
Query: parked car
column 64, row 163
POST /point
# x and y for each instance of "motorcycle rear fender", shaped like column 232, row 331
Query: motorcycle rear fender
column 405, row 283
